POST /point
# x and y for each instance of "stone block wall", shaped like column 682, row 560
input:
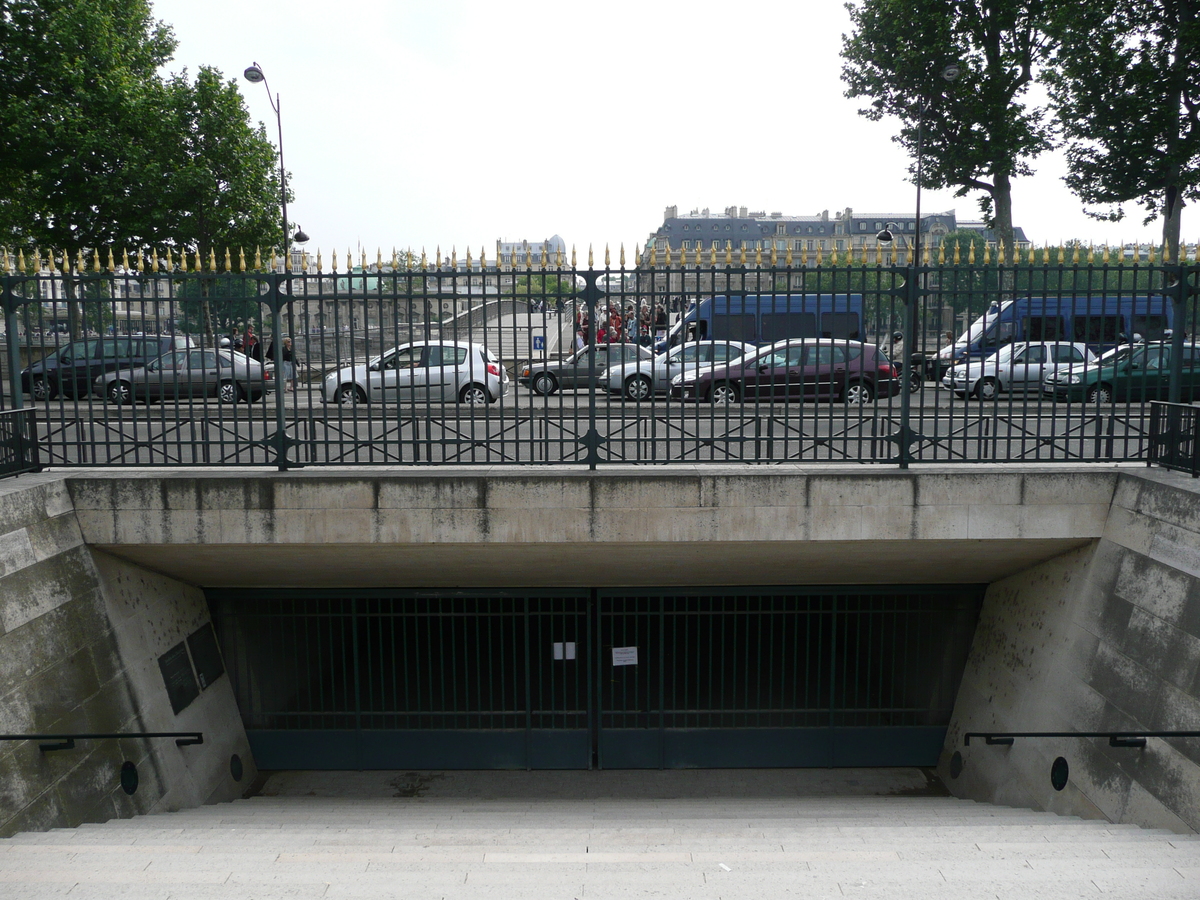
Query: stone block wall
column 1105, row 638
column 80, row 637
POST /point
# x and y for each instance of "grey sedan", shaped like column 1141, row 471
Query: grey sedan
column 638, row 380
column 549, row 375
column 227, row 375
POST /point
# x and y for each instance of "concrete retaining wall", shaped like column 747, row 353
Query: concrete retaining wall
column 80, row 637
column 1105, row 638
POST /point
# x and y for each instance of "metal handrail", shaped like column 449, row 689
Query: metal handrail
column 67, row 741
column 1115, row 738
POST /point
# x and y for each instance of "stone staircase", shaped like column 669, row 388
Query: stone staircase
column 422, row 841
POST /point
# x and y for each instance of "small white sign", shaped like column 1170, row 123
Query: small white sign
column 564, row 649
column 625, row 656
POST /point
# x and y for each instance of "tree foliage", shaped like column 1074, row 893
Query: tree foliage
column 79, row 95
column 978, row 133
column 1126, row 88
column 98, row 150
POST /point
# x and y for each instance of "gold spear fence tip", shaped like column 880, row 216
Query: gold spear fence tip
column 622, row 257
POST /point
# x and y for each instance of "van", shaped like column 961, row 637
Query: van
column 72, row 369
column 766, row 318
column 1099, row 322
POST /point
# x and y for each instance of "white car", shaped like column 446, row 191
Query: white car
column 1016, row 368
column 638, row 380
column 423, row 371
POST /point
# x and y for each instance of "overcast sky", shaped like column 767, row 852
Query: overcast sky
column 460, row 122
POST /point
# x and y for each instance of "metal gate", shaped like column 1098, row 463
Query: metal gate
column 596, row 679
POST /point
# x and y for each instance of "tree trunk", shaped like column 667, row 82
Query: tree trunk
column 1002, row 204
column 1172, row 221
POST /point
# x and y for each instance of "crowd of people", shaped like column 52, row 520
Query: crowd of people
column 635, row 324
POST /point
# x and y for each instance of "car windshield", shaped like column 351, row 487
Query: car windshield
column 980, row 326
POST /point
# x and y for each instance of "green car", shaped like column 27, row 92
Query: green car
column 1131, row 372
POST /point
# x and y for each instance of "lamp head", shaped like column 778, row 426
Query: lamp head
column 299, row 237
column 885, row 236
column 952, row 71
column 254, row 74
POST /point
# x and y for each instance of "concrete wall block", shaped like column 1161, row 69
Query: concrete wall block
column 434, row 492
column 939, row 523
column 831, row 523
column 98, row 526
column 24, row 502
column 37, row 589
column 969, row 488
column 458, row 526
column 41, row 642
column 16, row 551
column 1128, row 489
column 669, row 526
column 886, row 523
column 1129, row 686
column 995, row 522
column 324, row 493
column 91, row 493
column 1176, row 547
column 620, row 491
column 865, row 490
column 534, row 526
column 243, row 493
column 1173, row 504
column 1128, row 529
column 136, row 493
column 775, row 523
column 51, row 537
column 530, row 494
column 1157, row 588
column 1069, row 488
column 754, row 492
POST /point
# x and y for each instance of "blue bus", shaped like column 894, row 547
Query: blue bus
column 766, row 318
column 1100, row 322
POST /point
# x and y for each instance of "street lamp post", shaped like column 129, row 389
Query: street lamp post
column 254, row 74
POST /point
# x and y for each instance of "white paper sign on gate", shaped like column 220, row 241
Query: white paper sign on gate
column 625, row 656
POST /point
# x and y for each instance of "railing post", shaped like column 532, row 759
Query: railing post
column 275, row 303
column 591, row 296
column 912, row 296
column 12, row 343
column 1179, row 294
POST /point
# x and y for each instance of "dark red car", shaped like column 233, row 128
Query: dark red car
column 814, row 369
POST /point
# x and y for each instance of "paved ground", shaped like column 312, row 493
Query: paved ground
column 568, row 836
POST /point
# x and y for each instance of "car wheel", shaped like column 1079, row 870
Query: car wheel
column 638, row 388
column 350, row 395
column 40, row 389
column 858, row 394
column 120, row 393
column 723, row 394
column 227, row 392
column 1099, row 393
column 474, row 395
column 544, row 384
column 987, row 389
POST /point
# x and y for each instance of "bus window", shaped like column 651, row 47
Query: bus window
column 730, row 328
column 1151, row 328
column 1097, row 329
column 840, row 325
column 1043, row 328
column 777, row 326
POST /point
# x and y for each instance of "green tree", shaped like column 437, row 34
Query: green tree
column 978, row 134
column 1126, row 89
column 79, row 95
column 543, row 287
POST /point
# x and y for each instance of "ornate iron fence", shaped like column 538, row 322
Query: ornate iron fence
column 467, row 362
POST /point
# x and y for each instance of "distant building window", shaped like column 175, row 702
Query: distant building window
column 687, row 245
column 685, row 228
column 726, row 227
column 862, row 226
column 879, row 226
column 781, row 229
column 729, row 245
column 744, row 228
column 841, row 245
column 808, row 230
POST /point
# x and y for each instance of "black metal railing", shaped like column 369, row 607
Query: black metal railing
column 1175, row 437
column 129, row 367
column 66, row 741
column 1129, row 739
column 18, row 442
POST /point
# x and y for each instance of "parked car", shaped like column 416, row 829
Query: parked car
column 547, row 376
column 1016, row 368
column 821, row 368
column 1131, row 372
column 640, row 379
column 72, row 370
column 453, row 371
column 228, row 375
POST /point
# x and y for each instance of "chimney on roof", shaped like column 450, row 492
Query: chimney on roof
column 741, row 212
column 731, row 211
column 671, row 213
column 824, row 215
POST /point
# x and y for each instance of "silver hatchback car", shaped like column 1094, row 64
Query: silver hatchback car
column 423, row 371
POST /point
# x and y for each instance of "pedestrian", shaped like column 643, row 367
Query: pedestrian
column 289, row 364
column 235, row 338
column 251, row 345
